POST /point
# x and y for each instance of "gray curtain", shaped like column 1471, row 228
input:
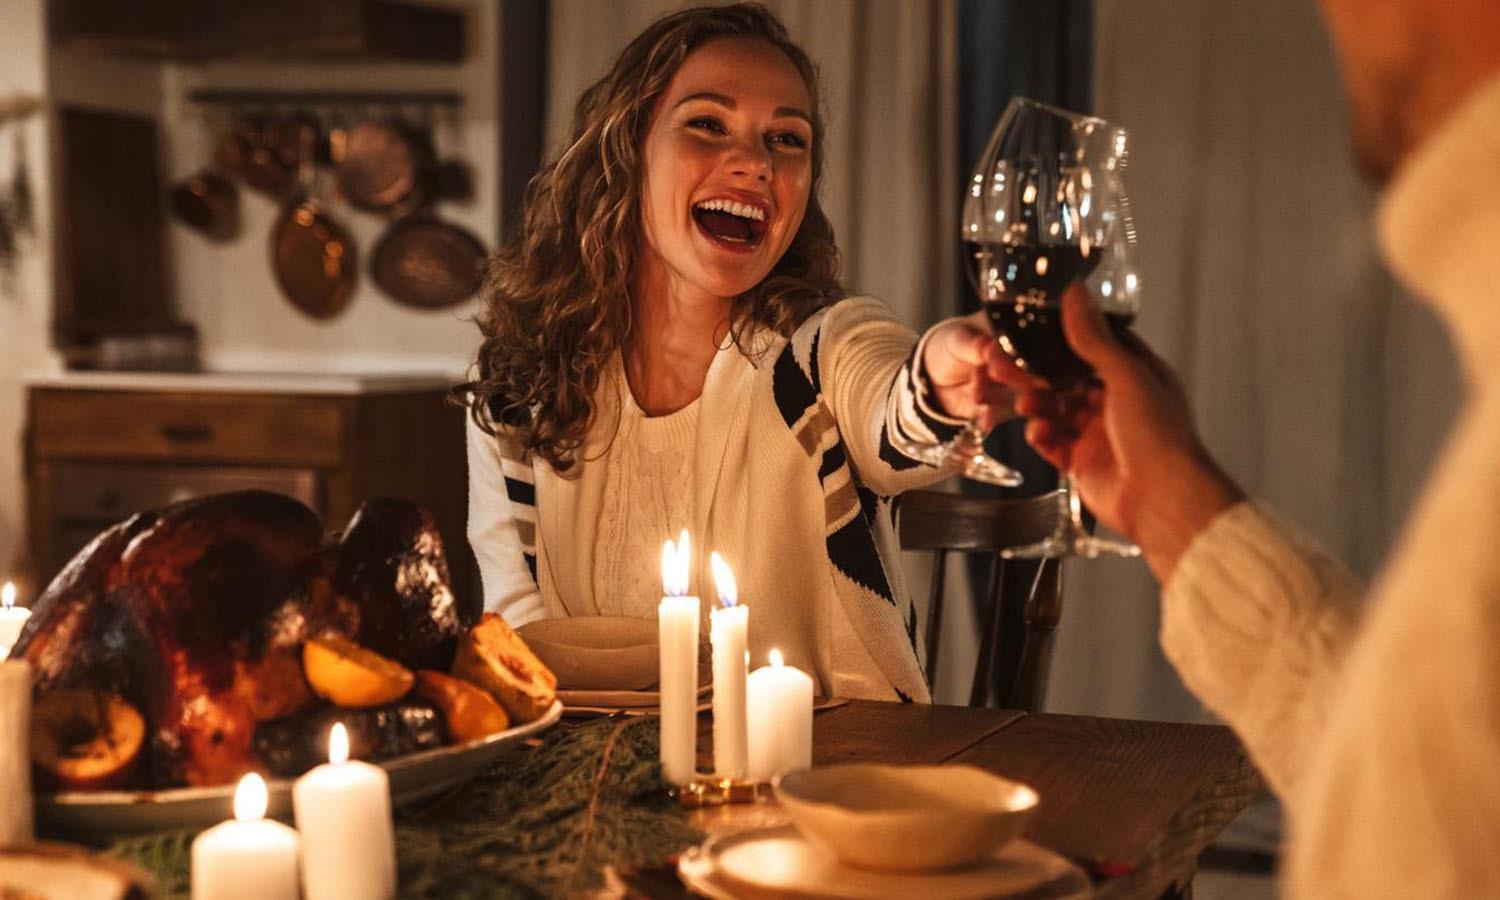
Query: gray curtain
column 1320, row 387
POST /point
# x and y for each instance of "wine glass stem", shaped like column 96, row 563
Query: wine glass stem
column 1071, row 506
column 971, row 439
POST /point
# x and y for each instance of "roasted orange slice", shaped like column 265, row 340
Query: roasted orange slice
column 82, row 740
column 469, row 711
column 349, row 675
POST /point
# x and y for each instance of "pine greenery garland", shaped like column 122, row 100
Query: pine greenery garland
column 544, row 821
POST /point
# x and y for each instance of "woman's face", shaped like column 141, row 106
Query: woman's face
column 728, row 168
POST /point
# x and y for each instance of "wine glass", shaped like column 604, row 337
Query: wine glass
column 1046, row 209
column 965, row 451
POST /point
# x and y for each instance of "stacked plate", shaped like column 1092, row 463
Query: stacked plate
column 604, row 664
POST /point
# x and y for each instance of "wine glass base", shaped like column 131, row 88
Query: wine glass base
column 966, row 459
column 1064, row 543
column 982, row 468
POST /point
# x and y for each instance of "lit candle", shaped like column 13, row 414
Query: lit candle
column 16, row 826
column 779, row 703
column 727, row 626
column 250, row 856
column 677, row 620
column 343, row 810
column 12, row 618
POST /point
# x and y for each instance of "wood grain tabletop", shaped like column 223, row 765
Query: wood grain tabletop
column 1132, row 802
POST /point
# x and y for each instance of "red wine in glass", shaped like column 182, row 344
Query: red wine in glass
column 1022, row 286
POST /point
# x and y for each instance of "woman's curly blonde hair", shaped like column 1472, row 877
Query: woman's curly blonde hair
column 557, row 299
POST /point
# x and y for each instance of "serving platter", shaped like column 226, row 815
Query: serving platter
column 99, row 815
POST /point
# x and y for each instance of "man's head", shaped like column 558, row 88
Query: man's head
column 1407, row 65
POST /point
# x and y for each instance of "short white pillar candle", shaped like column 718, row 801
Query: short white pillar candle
column 12, row 618
column 17, row 826
column 248, row 857
column 343, row 810
column 779, row 702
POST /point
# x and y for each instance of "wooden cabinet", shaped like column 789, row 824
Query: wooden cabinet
column 102, row 447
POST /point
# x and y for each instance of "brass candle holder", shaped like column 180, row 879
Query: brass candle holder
column 714, row 790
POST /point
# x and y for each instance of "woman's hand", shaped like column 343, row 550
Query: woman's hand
column 969, row 373
column 1129, row 441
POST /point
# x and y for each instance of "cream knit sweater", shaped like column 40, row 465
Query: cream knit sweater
column 1380, row 729
column 790, row 473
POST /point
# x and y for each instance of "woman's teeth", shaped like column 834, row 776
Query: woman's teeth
column 743, row 210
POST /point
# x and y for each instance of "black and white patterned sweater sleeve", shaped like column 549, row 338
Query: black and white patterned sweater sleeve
column 502, row 525
column 869, row 366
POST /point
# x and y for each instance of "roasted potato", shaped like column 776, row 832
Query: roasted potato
column 494, row 657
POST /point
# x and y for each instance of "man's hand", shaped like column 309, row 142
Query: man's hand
column 970, row 375
column 1128, row 441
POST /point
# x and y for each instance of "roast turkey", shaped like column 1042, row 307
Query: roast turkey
column 196, row 612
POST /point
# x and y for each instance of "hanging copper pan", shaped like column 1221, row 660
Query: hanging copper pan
column 288, row 137
column 246, row 154
column 209, row 204
column 312, row 255
column 426, row 263
column 382, row 166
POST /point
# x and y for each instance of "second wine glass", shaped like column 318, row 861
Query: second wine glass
column 1047, row 209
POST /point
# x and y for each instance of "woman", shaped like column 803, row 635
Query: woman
column 667, row 346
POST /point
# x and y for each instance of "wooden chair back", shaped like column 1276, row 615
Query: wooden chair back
column 1024, row 600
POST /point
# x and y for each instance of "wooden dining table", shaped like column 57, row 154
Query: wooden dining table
column 1131, row 802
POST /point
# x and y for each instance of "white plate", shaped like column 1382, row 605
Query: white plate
column 778, row 862
column 617, row 701
column 82, row 815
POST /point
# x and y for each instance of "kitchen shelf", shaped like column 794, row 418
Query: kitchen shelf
column 255, row 97
column 204, row 30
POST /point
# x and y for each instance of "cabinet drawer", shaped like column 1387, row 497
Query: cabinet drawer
column 89, row 497
column 104, row 493
column 245, row 429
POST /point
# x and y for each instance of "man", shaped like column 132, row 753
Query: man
column 1378, row 724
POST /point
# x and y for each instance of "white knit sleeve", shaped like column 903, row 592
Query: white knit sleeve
column 1257, row 622
column 1403, row 799
column 869, row 364
column 495, row 524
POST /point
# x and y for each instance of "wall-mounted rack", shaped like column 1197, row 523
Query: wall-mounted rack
column 254, row 97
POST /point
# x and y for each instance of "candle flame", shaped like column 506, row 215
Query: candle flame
column 729, row 593
column 776, row 659
column 8, row 595
column 250, row 798
column 674, row 567
column 338, row 744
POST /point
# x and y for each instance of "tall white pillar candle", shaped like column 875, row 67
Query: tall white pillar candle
column 16, row 822
column 343, row 810
column 249, row 857
column 12, row 618
column 677, row 622
column 726, row 631
column 779, row 702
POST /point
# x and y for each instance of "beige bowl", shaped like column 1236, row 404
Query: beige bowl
column 596, row 653
column 905, row 818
